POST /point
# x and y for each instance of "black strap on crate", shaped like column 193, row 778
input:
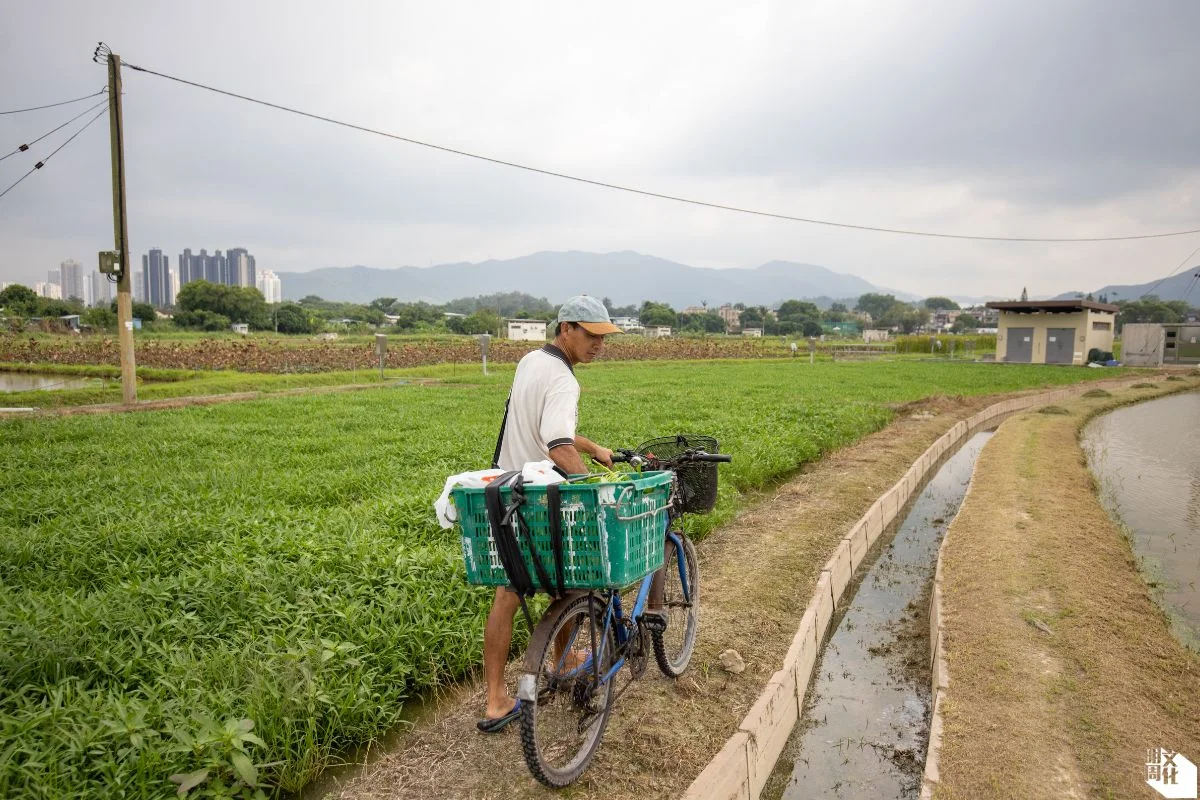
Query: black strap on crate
column 506, row 534
column 554, row 515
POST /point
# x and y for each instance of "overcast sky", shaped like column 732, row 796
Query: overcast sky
column 1025, row 118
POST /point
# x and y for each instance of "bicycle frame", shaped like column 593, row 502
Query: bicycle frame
column 614, row 617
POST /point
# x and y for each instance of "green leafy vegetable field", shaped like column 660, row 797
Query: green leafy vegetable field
column 168, row 577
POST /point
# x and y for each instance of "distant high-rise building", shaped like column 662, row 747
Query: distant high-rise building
column 215, row 270
column 156, row 279
column 269, row 285
column 138, row 287
column 54, row 276
column 236, row 267
column 241, row 267
column 71, row 280
column 102, row 293
column 51, row 291
column 189, row 267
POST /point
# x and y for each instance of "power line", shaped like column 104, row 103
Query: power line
column 43, row 162
column 1170, row 274
column 53, row 105
column 26, row 146
column 659, row 195
column 1191, row 286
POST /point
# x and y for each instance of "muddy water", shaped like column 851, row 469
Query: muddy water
column 26, row 381
column 866, row 721
column 1147, row 460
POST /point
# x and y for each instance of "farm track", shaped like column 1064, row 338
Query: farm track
column 205, row 400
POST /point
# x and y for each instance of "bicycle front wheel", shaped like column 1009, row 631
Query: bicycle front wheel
column 673, row 646
column 566, row 692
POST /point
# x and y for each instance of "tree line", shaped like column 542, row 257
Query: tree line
column 205, row 306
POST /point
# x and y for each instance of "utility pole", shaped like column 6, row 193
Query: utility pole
column 124, row 255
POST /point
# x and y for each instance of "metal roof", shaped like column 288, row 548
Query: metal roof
column 1053, row 306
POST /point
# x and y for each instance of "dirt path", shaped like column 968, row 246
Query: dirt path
column 206, row 400
column 1062, row 670
column 758, row 573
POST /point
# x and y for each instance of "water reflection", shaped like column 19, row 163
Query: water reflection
column 27, row 382
column 1147, row 460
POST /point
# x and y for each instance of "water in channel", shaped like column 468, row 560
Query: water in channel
column 28, row 381
column 866, row 723
column 1146, row 458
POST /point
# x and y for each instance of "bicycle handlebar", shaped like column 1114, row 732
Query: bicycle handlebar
column 688, row 455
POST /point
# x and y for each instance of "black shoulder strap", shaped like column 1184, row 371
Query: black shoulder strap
column 500, row 438
column 554, row 515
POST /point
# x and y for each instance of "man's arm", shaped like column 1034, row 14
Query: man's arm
column 601, row 454
column 568, row 459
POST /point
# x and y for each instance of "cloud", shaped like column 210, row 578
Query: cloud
column 1065, row 119
column 1064, row 103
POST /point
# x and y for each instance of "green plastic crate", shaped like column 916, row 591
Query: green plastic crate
column 612, row 532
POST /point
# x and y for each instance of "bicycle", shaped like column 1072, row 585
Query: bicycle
column 568, row 680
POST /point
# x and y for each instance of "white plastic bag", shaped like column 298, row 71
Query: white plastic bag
column 538, row 473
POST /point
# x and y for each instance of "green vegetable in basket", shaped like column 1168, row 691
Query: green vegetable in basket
column 608, row 476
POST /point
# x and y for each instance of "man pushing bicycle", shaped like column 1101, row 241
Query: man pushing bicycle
column 539, row 424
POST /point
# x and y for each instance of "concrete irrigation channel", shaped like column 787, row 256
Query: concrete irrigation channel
column 865, row 724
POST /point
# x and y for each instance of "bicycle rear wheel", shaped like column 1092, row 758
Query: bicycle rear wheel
column 673, row 646
column 565, row 694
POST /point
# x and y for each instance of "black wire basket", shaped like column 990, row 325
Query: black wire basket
column 697, row 480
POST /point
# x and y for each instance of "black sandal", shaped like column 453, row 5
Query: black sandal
column 497, row 724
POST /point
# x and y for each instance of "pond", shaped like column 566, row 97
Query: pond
column 29, row 381
column 1146, row 458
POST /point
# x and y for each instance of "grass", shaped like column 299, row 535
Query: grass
column 165, row 576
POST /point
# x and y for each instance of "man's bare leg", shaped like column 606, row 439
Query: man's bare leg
column 497, row 640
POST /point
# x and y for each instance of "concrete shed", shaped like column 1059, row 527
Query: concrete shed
column 1155, row 344
column 1053, row 331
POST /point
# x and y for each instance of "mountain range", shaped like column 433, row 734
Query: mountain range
column 625, row 277
column 630, row 278
column 1184, row 286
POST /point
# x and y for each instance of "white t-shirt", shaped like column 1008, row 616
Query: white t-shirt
column 543, row 408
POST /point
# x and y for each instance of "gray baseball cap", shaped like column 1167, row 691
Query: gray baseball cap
column 590, row 313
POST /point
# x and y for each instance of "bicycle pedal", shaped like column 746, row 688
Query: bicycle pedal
column 653, row 621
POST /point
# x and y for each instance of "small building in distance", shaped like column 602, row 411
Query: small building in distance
column 525, row 330
column 658, row 331
column 754, row 333
column 1053, row 331
column 876, row 335
column 628, row 324
column 1156, row 344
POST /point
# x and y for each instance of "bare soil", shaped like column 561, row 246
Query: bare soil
column 758, row 574
column 207, row 400
column 1062, row 670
